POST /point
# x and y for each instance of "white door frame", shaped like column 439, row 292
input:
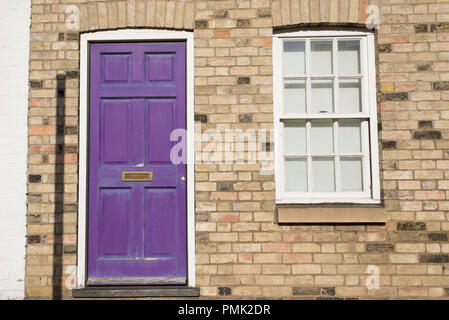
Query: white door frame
column 132, row 35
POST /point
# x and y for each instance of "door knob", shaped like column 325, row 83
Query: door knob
column 183, row 178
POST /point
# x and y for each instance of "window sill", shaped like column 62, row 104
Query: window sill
column 136, row 292
column 331, row 213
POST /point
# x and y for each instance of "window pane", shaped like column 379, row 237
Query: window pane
column 295, row 137
column 351, row 174
column 350, row 98
column 293, row 60
column 322, row 137
column 294, row 96
column 349, row 136
column 295, row 175
column 321, row 52
column 322, row 96
column 323, row 174
column 348, row 57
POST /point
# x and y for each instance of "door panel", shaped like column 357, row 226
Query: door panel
column 160, row 123
column 160, row 206
column 115, row 225
column 160, row 67
column 115, row 131
column 137, row 229
column 115, row 68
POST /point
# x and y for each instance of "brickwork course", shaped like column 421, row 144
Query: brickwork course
column 241, row 252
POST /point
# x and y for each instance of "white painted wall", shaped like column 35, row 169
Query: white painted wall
column 14, row 53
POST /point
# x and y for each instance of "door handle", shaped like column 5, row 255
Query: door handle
column 137, row 176
column 183, row 178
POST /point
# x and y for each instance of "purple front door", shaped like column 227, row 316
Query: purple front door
column 137, row 196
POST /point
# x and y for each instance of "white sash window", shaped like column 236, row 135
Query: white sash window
column 325, row 117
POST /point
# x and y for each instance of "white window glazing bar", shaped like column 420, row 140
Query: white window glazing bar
column 301, row 116
column 337, row 159
column 309, row 157
column 335, row 75
column 308, row 82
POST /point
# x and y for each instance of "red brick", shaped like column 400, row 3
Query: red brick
column 222, row 33
column 42, row 130
column 224, row 216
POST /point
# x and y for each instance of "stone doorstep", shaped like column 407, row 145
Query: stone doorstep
column 135, row 292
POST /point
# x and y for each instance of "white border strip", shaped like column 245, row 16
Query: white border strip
column 14, row 121
column 127, row 35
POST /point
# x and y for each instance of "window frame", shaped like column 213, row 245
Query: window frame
column 370, row 173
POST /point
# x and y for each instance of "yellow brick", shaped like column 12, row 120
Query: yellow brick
column 387, row 87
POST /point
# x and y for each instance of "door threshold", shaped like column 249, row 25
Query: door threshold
column 135, row 291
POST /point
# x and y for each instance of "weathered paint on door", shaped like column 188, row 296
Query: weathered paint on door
column 137, row 229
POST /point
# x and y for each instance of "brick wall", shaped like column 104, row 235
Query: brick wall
column 241, row 251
